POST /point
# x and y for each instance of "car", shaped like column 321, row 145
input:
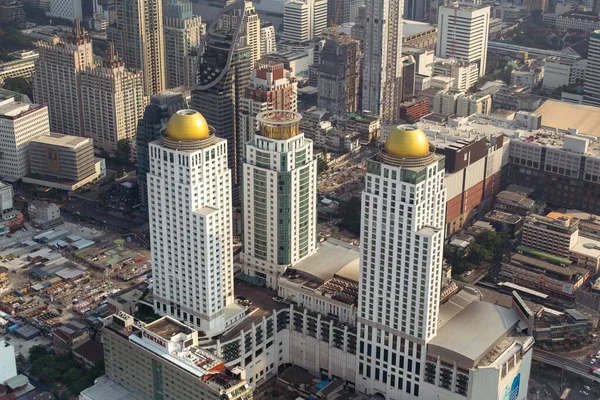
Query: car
column 277, row 299
column 587, row 388
column 583, row 392
column 593, row 361
column 468, row 273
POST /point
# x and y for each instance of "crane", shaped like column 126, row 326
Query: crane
column 334, row 22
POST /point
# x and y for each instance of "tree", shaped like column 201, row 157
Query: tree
column 410, row 119
column 122, row 155
column 349, row 213
column 322, row 164
column 36, row 352
column 19, row 85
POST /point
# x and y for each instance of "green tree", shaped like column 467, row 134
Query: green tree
column 122, row 155
column 36, row 352
column 322, row 164
column 410, row 119
column 349, row 213
column 11, row 40
column 19, row 85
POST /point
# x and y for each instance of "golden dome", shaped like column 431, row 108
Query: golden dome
column 407, row 141
column 187, row 125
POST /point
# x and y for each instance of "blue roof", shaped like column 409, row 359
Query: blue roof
column 322, row 384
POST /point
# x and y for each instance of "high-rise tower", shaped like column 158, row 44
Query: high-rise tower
column 222, row 74
column 592, row 71
column 57, row 79
column 401, row 245
column 381, row 61
column 183, row 31
column 280, row 194
column 138, row 36
column 304, row 20
column 189, row 196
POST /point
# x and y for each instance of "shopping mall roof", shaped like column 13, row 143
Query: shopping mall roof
column 562, row 115
column 333, row 258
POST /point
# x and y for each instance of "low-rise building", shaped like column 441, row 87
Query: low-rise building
column 12, row 12
column 554, row 233
column 554, row 326
column 578, row 21
column 44, row 215
column 369, row 126
column 511, row 224
column 88, row 353
column 66, row 337
column 515, row 200
column 418, row 35
column 22, row 65
column 126, row 300
column 544, row 276
column 509, row 13
column 516, row 98
column 417, row 107
column 476, row 103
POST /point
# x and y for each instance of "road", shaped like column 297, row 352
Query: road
column 567, row 364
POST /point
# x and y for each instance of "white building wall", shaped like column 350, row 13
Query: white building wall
column 66, row 9
column 8, row 363
column 556, row 74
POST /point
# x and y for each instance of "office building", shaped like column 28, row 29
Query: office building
column 66, row 9
column 463, row 33
column 11, row 11
column 463, row 73
column 348, row 11
column 57, row 79
column 339, row 75
column 113, row 101
column 578, row 20
column 304, row 20
column 446, row 101
column 268, row 43
column 20, row 123
column 554, row 233
column 476, row 103
column 280, row 192
column 183, row 31
column 369, row 126
column 416, row 10
column 217, row 96
column 22, row 65
column 63, row 162
column 271, row 87
column 592, row 71
column 404, row 204
column 249, row 29
column 382, row 58
column 163, row 360
column 418, row 35
column 156, row 114
column 138, row 35
column 189, row 198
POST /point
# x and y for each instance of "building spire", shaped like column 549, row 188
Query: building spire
column 78, row 33
column 111, row 58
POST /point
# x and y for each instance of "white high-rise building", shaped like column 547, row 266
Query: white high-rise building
column 304, row 20
column 268, row 43
column 189, row 198
column 404, row 204
column 382, row 65
column 592, row 71
column 463, row 33
column 20, row 123
column 65, row 9
column 183, row 31
column 280, row 194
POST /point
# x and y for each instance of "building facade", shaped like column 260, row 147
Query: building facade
column 304, row 20
column 183, row 31
column 66, row 9
column 404, row 204
column 268, row 43
column 463, row 33
column 138, row 36
column 554, row 233
column 592, row 71
column 279, row 191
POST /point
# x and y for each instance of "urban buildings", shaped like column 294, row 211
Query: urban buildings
column 304, row 20
column 249, row 29
column 268, row 44
column 8, row 367
column 22, row 66
column 381, row 60
column 463, row 73
column 224, row 70
column 416, row 10
column 463, row 33
column 63, row 162
column 578, row 21
column 137, row 34
column 168, row 362
column 149, row 128
column 339, row 75
column 11, row 11
column 189, row 198
column 592, row 71
column 476, row 103
column 66, row 9
column 280, row 189
column 20, row 123
column 554, row 233
column 348, row 11
column 57, row 79
column 113, row 100
column 403, row 212
column 418, row 35
column 417, row 107
column 183, row 31
column 271, row 87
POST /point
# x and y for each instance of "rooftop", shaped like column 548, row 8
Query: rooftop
column 166, row 328
column 412, row 27
column 502, row 216
column 333, row 258
column 567, row 272
column 59, row 139
column 562, row 115
column 12, row 109
column 515, row 197
column 587, row 247
column 106, row 389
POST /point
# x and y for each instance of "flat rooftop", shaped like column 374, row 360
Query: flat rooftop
column 514, row 197
column 59, row 139
column 587, row 247
column 503, row 217
column 333, row 258
column 562, row 115
column 106, row 389
column 412, row 27
column 11, row 109
column 565, row 271
column 166, row 328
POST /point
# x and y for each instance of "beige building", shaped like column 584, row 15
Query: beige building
column 555, row 233
column 250, row 28
column 138, row 36
column 183, row 31
column 474, row 104
column 113, row 101
column 163, row 360
column 22, row 65
column 57, row 79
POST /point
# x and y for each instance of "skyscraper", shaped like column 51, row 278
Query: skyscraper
column 57, row 79
column 222, row 76
column 189, row 196
column 183, row 31
column 271, row 87
column 463, row 33
column 280, row 193
column 149, row 128
column 113, row 101
column 339, row 74
column 402, row 237
column 592, row 71
column 416, row 10
column 138, row 36
column 250, row 26
column 268, row 42
column 304, row 20
column 381, row 61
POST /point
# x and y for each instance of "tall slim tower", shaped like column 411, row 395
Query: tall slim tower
column 592, row 71
column 138, row 36
column 304, row 20
column 463, row 33
column 271, row 87
column 280, row 194
column 381, row 61
column 250, row 26
column 189, row 193
column 113, row 101
column 404, row 204
column 57, row 79
column 183, row 32
column 222, row 74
